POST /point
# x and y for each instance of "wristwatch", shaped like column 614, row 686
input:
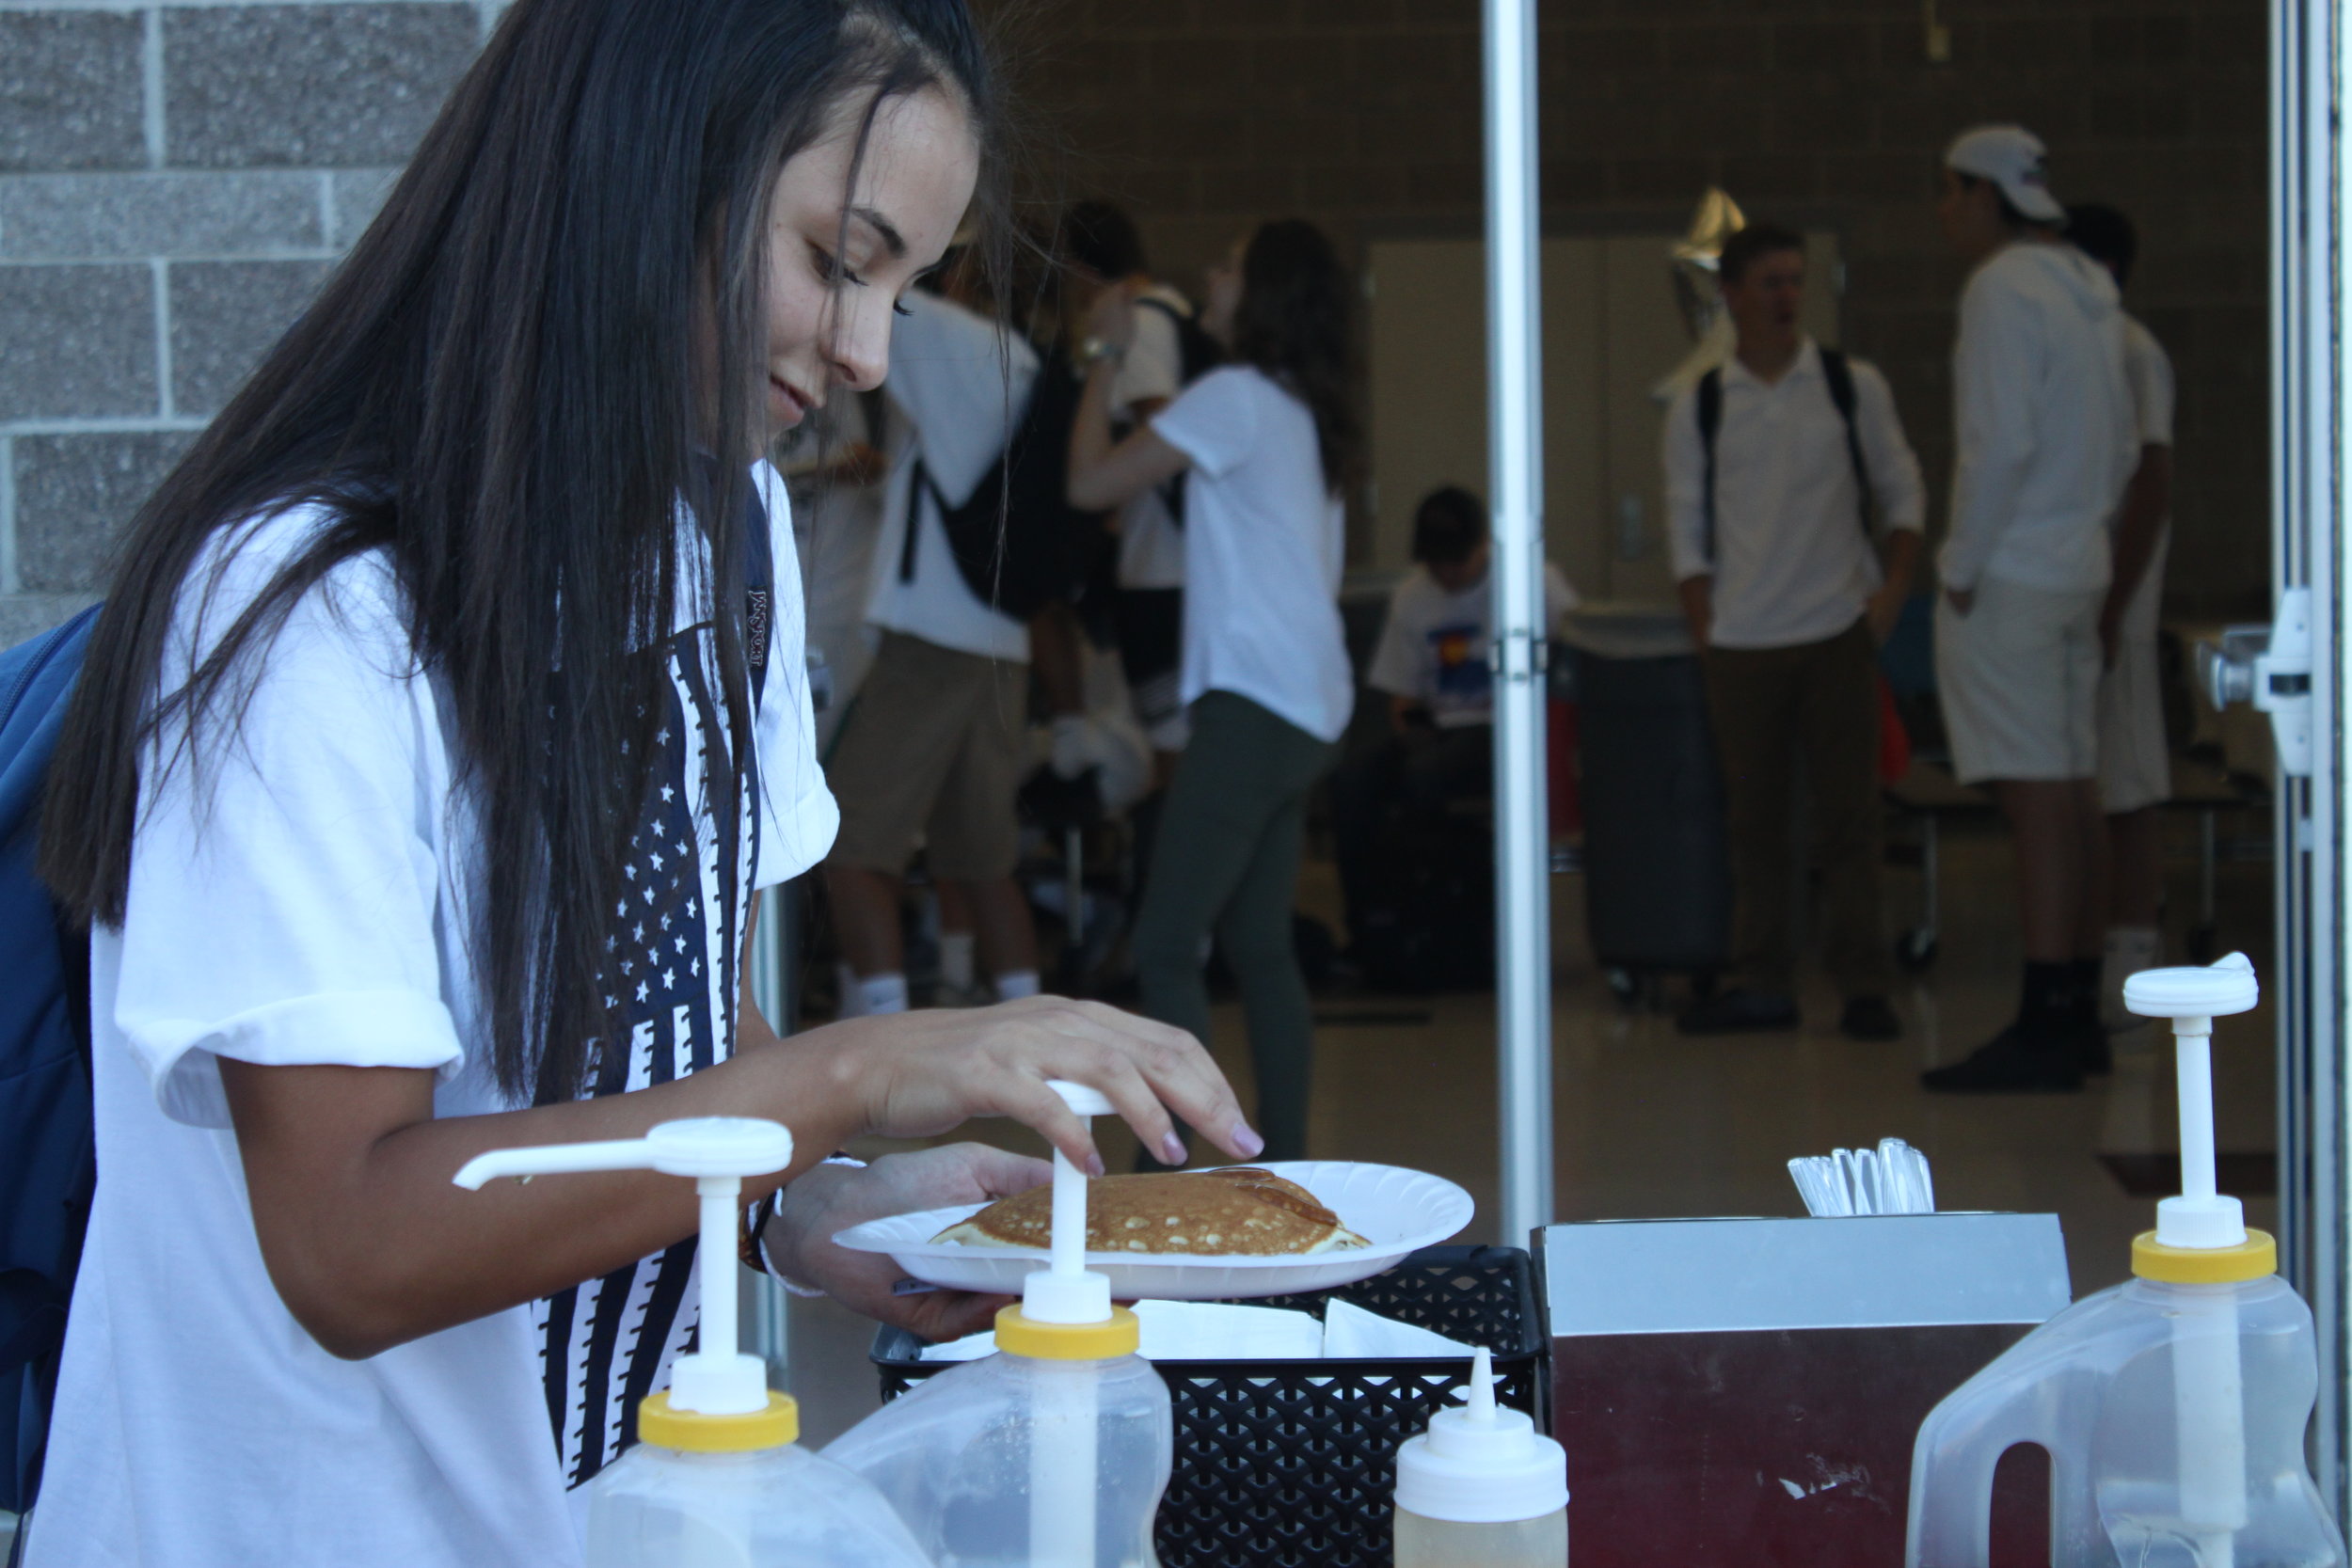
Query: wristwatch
column 1095, row 349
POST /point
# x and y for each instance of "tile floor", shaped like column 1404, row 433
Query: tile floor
column 1648, row 1123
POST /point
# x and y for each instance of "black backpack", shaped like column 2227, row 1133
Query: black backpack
column 1197, row 354
column 1016, row 538
column 1838, row 372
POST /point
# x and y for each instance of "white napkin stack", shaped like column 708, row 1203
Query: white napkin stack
column 1210, row 1331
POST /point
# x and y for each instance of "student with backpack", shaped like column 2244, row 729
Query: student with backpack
column 1794, row 511
column 1266, row 445
column 447, row 710
column 932, row 754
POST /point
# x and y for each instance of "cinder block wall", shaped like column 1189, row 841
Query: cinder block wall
column 175, row 181
column 1364, row 114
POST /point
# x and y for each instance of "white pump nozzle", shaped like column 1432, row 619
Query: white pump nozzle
column 719, row 1152
column 2201, row 1216
column 1066, row 1290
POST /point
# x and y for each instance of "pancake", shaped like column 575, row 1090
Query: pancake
column 1243, row 1212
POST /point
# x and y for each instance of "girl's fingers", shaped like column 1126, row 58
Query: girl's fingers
column 1138, row 1105
column 1184, row 1076
column 1001, row 1173
column 1027, row 1099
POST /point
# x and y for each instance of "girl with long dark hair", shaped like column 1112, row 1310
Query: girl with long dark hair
column 1269, row 442
column 448, row 708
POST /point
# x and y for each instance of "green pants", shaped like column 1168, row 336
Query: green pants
column 1226, row 861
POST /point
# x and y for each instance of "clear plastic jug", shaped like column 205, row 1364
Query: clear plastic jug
column 979, row 1461
column 1054, row 1451
column 717, row 1478
column 776, row 1507
column 2101, row 1387
column 2172, row 1407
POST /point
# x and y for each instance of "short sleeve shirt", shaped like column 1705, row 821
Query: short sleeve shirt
column 307, row 903
column 1433, row 647
column 1265, row 541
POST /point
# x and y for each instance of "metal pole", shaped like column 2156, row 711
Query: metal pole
column 2306, row 371
column 2311, row 826
column 1515, row 482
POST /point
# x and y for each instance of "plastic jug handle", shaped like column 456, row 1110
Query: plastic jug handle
column 1952, row 1464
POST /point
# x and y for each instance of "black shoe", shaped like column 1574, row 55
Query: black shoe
column 2015, row 1061
column 1868, row 1018
column 1739, row 1012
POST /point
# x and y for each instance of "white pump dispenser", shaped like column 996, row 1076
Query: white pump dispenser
column 1067, row 1404
column 1481, row 1488
column 2173, row 1406
column 718, row 1478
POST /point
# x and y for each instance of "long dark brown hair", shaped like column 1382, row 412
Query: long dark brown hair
column 1292, row 323
column 498, row 390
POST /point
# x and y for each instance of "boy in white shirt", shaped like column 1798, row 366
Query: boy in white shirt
column 934, row 751
column 1775, row 464
column 1431, row 663
column 2046, row 442
column 2134, row 763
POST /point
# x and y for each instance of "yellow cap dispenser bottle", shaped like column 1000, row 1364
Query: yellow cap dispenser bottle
column 2172, row 1407
column 718, row 1478
column 1052, row 1453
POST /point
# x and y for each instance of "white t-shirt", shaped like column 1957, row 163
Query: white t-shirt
column 960, row 382
column 2046, row 439
column 1264, row 543
column 1791, row 564
column 835, row 525
column 1433, row 647
column 310, row 907
column 2149, row 371
column 1151, row 542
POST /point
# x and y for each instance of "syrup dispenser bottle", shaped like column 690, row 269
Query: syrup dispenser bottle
column 718, row 1478
column 1054, row 1451
column 2172, row 1407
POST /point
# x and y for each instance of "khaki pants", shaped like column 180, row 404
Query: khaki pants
column 1813, row 707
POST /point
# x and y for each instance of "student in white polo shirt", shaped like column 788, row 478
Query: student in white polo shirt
column 1778, row 464
column 2135, row 764
column 2046, row 442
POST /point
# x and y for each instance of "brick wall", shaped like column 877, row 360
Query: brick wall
column 175, row 180
column 1365, row 114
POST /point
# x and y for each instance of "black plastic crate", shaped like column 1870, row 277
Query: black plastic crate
column 1290, row 1463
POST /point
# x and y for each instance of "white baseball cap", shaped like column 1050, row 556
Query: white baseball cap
column 2014, row 159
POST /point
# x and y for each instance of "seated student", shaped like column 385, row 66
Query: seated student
column 1432, row 663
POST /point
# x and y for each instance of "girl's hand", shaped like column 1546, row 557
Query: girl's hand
column 829, row 1199
column 1112, row 316
column 919, row 1073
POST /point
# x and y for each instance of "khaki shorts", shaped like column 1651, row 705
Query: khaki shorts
column 933, row 755
column 2019, row 679
column 2135, row 766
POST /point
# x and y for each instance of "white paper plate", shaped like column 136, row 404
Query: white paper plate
column 1398, row 1210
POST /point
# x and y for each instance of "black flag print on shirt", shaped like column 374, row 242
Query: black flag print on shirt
column 670, row 965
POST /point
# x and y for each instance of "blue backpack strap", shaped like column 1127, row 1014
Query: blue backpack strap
column 48, row 1163
column 1710, row 416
